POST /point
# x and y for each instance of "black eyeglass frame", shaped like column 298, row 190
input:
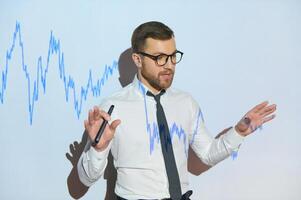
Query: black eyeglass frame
column 155, row 58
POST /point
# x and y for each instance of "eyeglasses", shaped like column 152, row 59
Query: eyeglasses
column 162, row 59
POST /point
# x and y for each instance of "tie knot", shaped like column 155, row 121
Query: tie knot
column 156, row 97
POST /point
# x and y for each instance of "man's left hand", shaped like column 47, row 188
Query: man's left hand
column 255, row 118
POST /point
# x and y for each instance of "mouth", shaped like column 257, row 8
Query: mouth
column 166, row 75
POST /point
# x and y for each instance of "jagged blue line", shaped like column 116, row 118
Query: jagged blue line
column 41, row 76
column 153, row 130
column 200, row 116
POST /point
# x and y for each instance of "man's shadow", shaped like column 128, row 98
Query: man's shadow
column 127, row 71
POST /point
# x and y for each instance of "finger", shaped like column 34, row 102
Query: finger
column 268, row 118
column 105, row 115
column 267, row 109
column 86, row 124
column 258, row 107
column 69, row 157
column 114, row 124
column 72, row 150
column 87, row 130
column 90, row 117
column 76, row 145
column 96, row 113
column 268, row 112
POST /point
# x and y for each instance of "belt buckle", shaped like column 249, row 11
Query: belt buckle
column 184, row 196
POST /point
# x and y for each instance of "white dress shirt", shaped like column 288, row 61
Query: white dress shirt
column 136, row 147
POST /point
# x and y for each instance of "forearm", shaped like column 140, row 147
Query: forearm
column 211, row 151
column 92, row 164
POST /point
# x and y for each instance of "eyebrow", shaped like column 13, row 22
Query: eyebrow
column 159, row 53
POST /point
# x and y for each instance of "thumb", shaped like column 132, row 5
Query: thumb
column 114, row 124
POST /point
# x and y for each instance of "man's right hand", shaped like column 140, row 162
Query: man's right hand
column 92, row 125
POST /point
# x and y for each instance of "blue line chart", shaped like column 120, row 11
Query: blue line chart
column 153, row 129
column 174, row 129
column 34, row 83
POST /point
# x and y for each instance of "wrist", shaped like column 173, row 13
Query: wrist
column 101, row 146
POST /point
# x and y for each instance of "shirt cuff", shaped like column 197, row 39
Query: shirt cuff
column 234, row 139
column 98, row 157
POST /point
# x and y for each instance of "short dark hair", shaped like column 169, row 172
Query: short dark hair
column 152, row 29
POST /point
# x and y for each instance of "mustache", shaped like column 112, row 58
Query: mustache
column 166, row 72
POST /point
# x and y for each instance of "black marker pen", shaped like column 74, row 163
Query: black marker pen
column 102, row 127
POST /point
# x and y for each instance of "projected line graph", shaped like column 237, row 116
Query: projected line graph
column 34, row 83
column 174, row 130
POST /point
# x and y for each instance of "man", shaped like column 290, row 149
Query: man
column 153, row 125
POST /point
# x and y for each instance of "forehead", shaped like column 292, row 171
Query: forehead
column 160, row 46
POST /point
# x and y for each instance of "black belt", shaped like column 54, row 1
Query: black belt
column 184, row 196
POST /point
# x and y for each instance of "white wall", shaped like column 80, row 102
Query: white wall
column 237, row 54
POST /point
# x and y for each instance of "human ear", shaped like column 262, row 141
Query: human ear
column 137, row 60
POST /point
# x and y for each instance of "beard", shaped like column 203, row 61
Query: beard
column 162, row 80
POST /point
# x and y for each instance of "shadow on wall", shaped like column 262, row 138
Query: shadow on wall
column 127, row 71
column 75, row 187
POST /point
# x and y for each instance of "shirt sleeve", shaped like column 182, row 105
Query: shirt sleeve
column 208, row 149
column 92, row 163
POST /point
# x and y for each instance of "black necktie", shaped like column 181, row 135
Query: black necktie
column 167, row 150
